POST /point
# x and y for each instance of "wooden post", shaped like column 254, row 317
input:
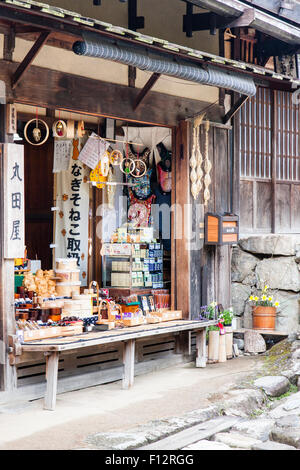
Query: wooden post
column 8, row 376
column 51, row 377
column 128, row 360
column 274, row 140
column 201, row 348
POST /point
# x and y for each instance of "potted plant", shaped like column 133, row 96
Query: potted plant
column 264, row 309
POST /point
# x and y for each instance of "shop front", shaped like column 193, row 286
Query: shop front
column 107, row 187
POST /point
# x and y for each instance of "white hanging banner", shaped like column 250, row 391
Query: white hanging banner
column 93, row 150
column 14, row 201
column 72, row 227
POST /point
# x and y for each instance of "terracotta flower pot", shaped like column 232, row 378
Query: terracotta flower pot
column 263, row 318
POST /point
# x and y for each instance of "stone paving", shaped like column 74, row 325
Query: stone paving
column 268, row 413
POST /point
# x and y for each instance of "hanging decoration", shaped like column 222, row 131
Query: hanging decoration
column 104, row 164
column 70, row 129
column 140, row 210
column 98, row 177
column 36, row 131
column 111, row 190
column 196, row 159
column 59, row 129
column 140, row 169
column 80, row 129
column 116, row 157
column 207, row 167
column 127, row 165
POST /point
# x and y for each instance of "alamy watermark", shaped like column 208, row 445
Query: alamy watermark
column 185, row 223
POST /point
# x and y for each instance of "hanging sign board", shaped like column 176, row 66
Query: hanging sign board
column 93, row 150
column 14, row 202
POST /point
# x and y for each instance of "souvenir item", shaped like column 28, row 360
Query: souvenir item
column 127, row 166
column 80, row 129
column 70, row 129
column 140, row 169
column 36, row 132
column 59, row 129
column 116, row 157
column 196, row 160
column 139, row 210
column 164, row 169
column 207, row 167
column 104, row 164
column 144, row 156
column 164, row 178
column 142, row 188
column 98, row 177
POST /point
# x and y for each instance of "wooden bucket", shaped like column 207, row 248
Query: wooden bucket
column 263, row 318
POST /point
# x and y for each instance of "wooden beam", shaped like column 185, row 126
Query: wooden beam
column 9, row 44
column 144, row 91
column 94, row 97
column 246, row 19
column 28, row 59
column 234, row 109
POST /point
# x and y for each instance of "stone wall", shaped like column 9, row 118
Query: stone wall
column 270, row 259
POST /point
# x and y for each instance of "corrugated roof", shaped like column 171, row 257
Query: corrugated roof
column 164, row 45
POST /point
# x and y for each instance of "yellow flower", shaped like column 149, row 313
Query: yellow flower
column 256, row 299
column 266, row 288
column 263, row 297
column 251, row 297
column 276, row 304
column 270, row 298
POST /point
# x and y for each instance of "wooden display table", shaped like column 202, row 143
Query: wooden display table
column 53, row 347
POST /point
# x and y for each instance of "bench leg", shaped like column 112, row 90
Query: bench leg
column 51, row 376
column 128, row 360
column 201, row 348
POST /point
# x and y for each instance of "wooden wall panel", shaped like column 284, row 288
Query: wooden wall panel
column 283, row 203
column 246, row 206
column 263, row 205
column 210, row 265
column 295, row 206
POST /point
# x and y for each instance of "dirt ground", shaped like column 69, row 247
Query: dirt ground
column 165, row 393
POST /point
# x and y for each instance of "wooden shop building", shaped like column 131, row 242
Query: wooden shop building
column 131, row 88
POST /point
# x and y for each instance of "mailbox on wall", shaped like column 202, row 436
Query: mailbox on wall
column 221, row 229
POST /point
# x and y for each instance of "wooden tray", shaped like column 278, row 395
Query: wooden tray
column 167, row 315
column 153, row 319
column 133, row 321
column 52, row 332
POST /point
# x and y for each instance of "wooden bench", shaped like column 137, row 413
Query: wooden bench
column 54, row 346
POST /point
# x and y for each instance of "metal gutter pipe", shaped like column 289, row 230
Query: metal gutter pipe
column 94, row 46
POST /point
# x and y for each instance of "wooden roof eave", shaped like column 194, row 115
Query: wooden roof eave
column 64, row 29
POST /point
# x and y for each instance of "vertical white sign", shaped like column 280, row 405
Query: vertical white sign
column 14, row 201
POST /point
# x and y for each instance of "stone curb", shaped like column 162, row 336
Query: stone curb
column 246, row 399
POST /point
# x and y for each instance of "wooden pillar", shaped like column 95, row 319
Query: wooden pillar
column 51, row 377
column 8, row 378
column 128, row 360
column 274, row 140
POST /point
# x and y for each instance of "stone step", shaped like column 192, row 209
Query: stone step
column 235, row 439
column 271, row 445
column 193, row 434
column 204, row 444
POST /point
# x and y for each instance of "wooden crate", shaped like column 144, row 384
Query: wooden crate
column 52, row 332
